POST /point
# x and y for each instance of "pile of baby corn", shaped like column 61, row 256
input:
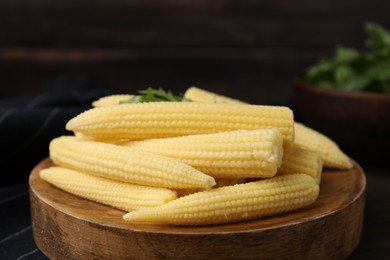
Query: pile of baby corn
column 210, row 161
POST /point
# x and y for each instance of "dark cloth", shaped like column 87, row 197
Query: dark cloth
column 27, row 124
column 16, row 235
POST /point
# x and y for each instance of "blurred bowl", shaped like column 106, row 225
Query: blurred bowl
column 359, row 122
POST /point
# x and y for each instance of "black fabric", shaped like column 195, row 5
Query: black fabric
column 27, row 124
column 16, row 238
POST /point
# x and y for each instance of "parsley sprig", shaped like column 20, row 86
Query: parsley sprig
column 352, row 70
column 155, row 95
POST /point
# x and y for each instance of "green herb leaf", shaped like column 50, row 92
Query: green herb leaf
column 343, row 74
column 319, row 71
column 352, row 70
column 155, row 95
column 346, row 55
column 356, row 83
column 377, row 37
column 379, row 71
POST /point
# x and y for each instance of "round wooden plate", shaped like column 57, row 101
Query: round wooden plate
column 68, row 227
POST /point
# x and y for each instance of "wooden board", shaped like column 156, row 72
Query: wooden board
column 68, row 227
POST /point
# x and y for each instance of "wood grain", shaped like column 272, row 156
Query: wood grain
column 247, row 49
column 68, row 227
column 186, row 23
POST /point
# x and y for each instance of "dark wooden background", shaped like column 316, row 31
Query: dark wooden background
column 243, row 48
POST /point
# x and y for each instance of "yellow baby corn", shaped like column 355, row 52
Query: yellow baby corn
column 220, row 182
column 111, row 100
column 298, row 160
column 203, row 96
column 331, row 154
column 120, row 195
column 305, row 137
column 234, row 203
column 232, row 154
column 124, row 164
column 168, row 119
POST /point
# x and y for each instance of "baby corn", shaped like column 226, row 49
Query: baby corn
column 203, row 96
column 234, row 203
column 305, row 137
column 124, row 164
column 331, row 154
column 167, row 119
column 220, row 182
column 233, row 154
column 111, row 100
column 298, row 160
column 120, row 195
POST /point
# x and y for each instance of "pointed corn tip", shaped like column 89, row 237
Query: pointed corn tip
column 345, row 163
column 141, row 216
column 70, row 124
column 210, row 182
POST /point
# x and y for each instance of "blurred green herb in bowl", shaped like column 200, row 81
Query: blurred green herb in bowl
column 352, row 70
